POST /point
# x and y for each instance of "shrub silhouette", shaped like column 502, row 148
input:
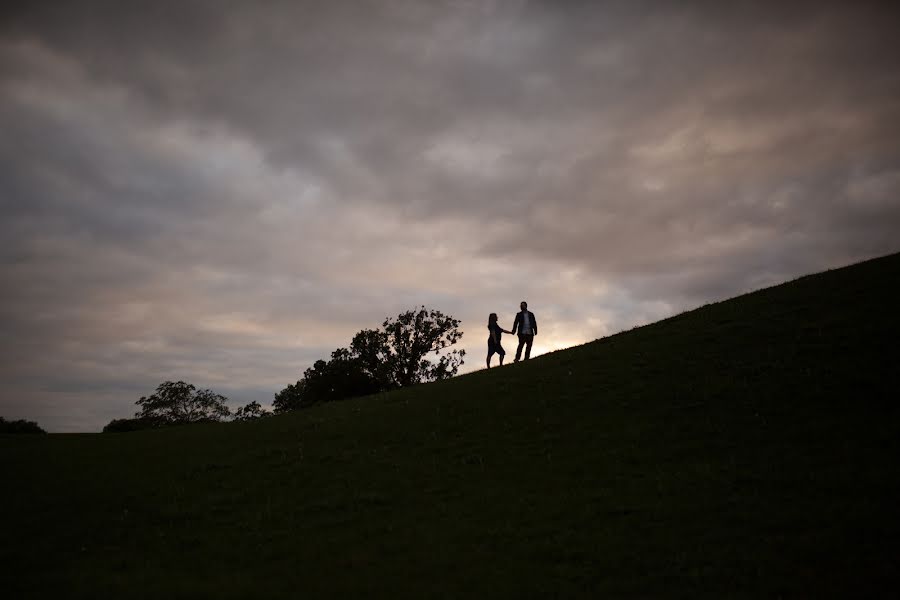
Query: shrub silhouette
column 136, row 424
column 19, row 426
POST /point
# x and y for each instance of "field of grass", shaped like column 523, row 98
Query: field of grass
column 745, row 449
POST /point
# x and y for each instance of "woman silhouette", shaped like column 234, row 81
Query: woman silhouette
column 494, row 339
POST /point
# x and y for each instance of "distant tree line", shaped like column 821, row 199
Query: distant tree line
column 405, row 351
column 379, row 360
column 19, row 426
column 180, row 403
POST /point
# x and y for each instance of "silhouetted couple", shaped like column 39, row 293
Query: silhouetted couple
column 525, row 326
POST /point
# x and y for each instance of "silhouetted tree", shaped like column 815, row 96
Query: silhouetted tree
column 19, row 426
column 180, row 402
column 372, row 352
column 290, row 398
column 249, row 412
column 381, row 360
column 340, row 377
column 398, row 355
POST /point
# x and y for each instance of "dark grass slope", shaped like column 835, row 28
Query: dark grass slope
column 747, row 448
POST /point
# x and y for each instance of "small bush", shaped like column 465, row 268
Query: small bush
column 135, row 424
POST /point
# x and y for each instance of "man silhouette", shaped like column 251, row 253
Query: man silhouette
column 526, row 326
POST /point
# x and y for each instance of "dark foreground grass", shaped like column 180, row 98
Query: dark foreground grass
column 748, row 448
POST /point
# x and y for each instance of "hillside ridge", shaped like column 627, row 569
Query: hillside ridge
column 745, row 448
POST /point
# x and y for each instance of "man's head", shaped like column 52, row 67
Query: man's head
column 524, row 305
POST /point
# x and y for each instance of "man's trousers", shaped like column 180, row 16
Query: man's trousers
column 524, row 340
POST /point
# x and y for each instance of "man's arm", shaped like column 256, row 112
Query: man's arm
column 516, row 323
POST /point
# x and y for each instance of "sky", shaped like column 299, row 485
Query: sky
column 223, row 192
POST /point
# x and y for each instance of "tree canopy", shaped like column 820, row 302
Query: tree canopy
column 406, row 350
column 179, row 402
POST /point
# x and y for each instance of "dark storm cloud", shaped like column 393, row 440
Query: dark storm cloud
column 223, row 192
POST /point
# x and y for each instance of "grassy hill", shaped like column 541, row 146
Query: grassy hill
column 747, row 448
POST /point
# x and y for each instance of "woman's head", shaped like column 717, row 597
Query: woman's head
column 492, row 318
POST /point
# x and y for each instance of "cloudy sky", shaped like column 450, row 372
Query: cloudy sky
column 223, row 192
